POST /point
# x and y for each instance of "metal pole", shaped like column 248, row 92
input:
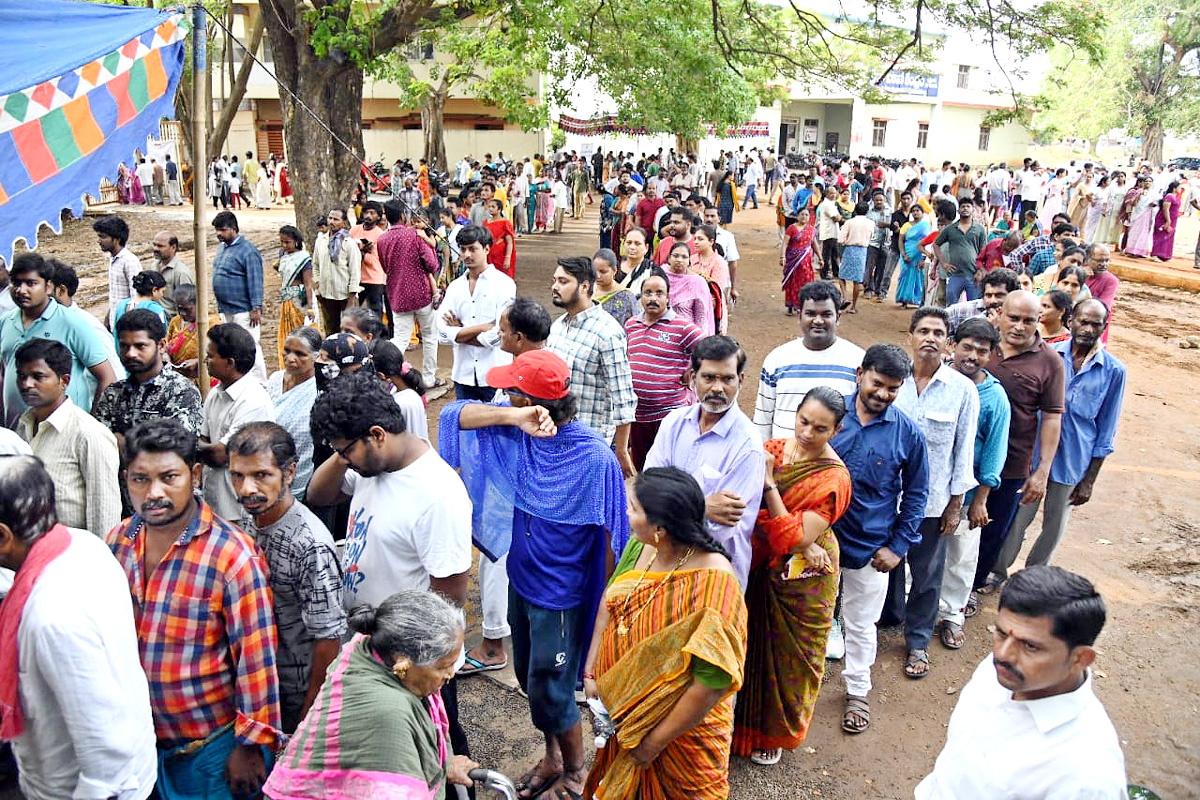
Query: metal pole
column 200, row 107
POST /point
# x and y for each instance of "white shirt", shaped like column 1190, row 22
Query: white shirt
column 948, row 413
column 493, row 292
column 388, row 551
column 7, row 303
column 413, row 410
column 226, row 409
column 728, row 244
column 997, row 179
column 558, row 190
column 88, row 728
column 1062, row 747
column 790, row 371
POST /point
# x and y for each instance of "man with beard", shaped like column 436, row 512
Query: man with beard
column 371, row 276
column 304, row 573
column 1095, row 388
column 974, row 342
column 1032, row 375
column 680, row 229
column 153, row 390
column 594, row 346
column 238, row 399
column 79, row 453
column 818, row 358
column 202, row 608
column 946, row 406
column 1028, row 724
column 712, row 216
column 337, row 269
column 996, row 286
column 718, row 445
column 380, row 467
column 39, row 316
column 961, row 245
column 884, row 451
column 113, row 234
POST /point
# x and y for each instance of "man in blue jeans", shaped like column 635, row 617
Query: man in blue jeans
column 563, row 488
column 961, row 244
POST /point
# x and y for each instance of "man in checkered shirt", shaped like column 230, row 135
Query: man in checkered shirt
column 593, row 344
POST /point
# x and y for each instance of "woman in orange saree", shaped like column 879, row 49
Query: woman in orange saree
column 667, row 652
column 793, row 582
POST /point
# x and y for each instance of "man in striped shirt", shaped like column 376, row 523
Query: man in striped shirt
column 660, row 348
column 818, row 358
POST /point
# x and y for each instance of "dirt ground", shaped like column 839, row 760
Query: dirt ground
column 1138, row 539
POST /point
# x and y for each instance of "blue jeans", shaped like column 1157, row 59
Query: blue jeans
column 957, row 284
column 751, row 194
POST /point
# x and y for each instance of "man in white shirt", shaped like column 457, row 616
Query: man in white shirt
column 725, row 238
column 998, row 185
column 818, row 358
column 79, row 713
column 904, row 176
column 239, row 399
column 469, row 316
column 66, row 284
column 112, row 233
column 752, row 174
column 1028, row 724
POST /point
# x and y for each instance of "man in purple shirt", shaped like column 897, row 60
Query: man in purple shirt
column 718, row 445
column 410, row 264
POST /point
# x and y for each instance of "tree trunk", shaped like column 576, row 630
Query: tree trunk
column 433, row 128
column 1152, row 143
column 216, row 137
column 1093, row 144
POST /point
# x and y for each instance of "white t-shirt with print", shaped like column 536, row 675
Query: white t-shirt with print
column 405, row 527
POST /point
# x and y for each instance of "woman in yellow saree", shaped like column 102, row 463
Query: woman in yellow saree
column 793, row 582
column 667, row 652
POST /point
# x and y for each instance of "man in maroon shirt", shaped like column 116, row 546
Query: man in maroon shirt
column 410, row 264
column 648, row 206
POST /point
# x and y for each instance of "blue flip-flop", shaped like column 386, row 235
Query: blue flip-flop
column 473, row 666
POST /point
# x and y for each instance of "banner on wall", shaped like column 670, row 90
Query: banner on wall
column 609, row 123
column 82, row 85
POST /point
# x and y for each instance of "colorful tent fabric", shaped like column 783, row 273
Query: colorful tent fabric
column 81, row 87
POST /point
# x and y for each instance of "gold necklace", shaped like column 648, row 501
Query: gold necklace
column 624, row 619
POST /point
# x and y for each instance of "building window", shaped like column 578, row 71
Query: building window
column 985, row 135
column 420, row 50
column 922, row 135
column 964, row 76
column 878, row 133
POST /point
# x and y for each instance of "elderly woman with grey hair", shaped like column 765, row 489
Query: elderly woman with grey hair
column 378, row 727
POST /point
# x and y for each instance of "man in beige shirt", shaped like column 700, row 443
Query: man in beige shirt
column 79, row 452
column 337, row 269
column 176, row 273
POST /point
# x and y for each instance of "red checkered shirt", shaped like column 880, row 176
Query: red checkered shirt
column 206, row 631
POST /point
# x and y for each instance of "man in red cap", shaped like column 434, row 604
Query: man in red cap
column 565, row 492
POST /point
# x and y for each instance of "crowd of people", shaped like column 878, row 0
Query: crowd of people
column 273, row 574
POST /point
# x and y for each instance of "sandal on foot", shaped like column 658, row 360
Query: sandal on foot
column 534, row 784
column 766, row 758
column 972, row 606
column 916, row 657
column 473, row 666
column 951, row 634
column 857, row 716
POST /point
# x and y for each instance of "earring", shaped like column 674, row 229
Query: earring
column 657, row 537
column 400, row 672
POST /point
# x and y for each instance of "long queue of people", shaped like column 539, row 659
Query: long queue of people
column 685, row 566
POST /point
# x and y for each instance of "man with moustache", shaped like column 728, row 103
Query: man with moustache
column 1029, row 724
column 945, row 405
column 717, row 444
column 1095, row 388
column 371, row 275
column 174, row 271
column 1032, row 375
column 725, row 238
column 996, row 285
column 974, row 342
column 214, row 690
column 112, row 233
column 304, row 573
column 884, row 451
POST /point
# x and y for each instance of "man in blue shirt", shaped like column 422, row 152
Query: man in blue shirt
column 974, row 342
column 238, row 282
column 884, row 452
column 804, row 195
column 39, row 316
column 1095, row 389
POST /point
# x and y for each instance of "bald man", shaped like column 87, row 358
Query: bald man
column 1033, row 377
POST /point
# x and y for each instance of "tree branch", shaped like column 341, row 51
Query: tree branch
column 914, row 41
column 216, row 139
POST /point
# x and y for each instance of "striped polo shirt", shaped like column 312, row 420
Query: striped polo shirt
column 659, row 354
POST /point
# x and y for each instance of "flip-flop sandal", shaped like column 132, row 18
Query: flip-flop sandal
column 916, row 657
column 972, row 606
column 566, row 793
column 767, row 758
column 856, row 708
column 473, row 666
column 526, row 784
column 951, row 634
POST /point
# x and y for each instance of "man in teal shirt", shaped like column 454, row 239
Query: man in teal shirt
column 39, row 316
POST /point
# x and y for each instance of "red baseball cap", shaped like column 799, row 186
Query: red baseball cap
column 537, row 373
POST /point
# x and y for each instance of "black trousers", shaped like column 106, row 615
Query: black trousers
column 458, row 737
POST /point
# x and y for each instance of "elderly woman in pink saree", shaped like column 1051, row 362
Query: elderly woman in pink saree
column 1165, row 224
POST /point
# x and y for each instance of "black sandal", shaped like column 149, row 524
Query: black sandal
column 856, row 708
column 916, row 657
